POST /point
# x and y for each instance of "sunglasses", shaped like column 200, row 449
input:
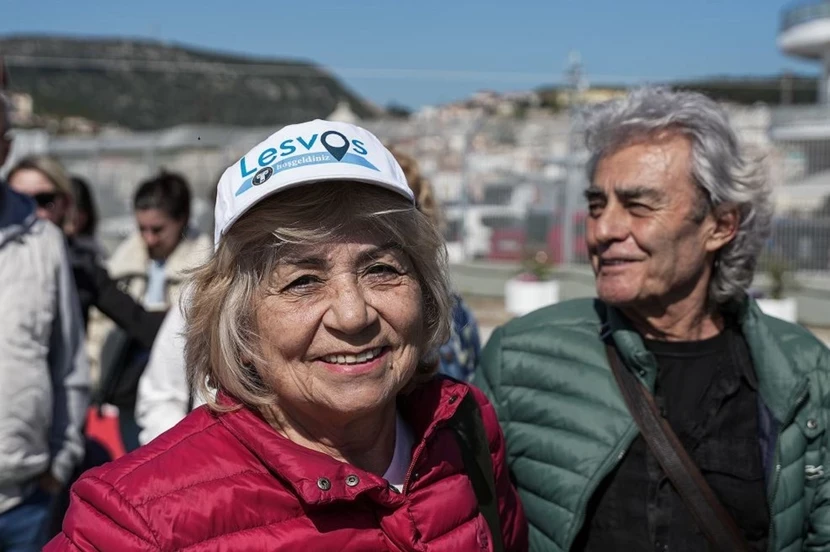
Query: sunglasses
column 46, row 199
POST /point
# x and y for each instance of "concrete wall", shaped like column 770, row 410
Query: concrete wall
column 487, row 280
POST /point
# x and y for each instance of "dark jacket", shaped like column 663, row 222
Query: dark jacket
column 97, row 289
column 567, row 426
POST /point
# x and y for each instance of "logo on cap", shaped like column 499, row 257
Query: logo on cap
column 262, row 176
column 300, row 151
column 337, row 150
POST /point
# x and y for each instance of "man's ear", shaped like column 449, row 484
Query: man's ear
column 725, row 223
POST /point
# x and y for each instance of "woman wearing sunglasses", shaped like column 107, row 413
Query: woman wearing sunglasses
column 44, row 179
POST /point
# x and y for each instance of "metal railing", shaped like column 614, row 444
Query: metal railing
column 797, row 115
column 804, row 12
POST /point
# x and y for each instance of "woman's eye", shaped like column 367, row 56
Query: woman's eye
column 383, row 269
column 302, row 282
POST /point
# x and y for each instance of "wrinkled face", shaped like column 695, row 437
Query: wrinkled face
column 51, row 204
column 160, row 232
column 645, row 245
column 341, row 329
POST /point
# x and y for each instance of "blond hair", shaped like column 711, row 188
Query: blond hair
column 49, row 167
column 222, row 338
column 420, row 186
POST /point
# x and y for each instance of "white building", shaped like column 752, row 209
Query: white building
column 802, row 133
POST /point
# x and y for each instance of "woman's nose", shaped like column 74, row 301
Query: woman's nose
column 349, row 311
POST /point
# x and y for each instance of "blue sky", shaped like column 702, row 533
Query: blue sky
column 428, row 51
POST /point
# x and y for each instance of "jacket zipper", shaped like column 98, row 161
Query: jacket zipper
column 411, row 468
column 790, row 415
column 423, row 444
column 415, row 454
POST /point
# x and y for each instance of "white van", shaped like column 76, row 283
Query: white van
column 469, row 229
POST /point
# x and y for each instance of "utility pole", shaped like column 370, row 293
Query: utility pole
column 466, row 184
column 576, row 84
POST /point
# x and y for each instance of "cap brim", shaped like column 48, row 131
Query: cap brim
column 392, row 187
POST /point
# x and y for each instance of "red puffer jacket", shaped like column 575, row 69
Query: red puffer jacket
column 229, row 482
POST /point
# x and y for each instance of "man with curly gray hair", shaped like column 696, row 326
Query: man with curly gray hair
column 678, row 215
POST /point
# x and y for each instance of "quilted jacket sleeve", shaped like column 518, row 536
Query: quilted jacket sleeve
column 488, row 379
column 100, row 518
column 487, row 375
column 818, row 536
column 513, row 520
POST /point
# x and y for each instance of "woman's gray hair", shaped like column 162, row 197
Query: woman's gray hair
column 222, row 347
column 726, row 175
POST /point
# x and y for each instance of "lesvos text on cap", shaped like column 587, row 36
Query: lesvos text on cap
column 316, row 151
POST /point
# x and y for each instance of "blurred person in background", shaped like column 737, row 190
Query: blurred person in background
column 82, row 223
column 150, row 265
column 316, row 322
column 86, row 251
column 75, row 211
column 164, row 396
column 44, row 375
column 67, row 202
column 43, row 179
column 459, row 355
column 672, row 346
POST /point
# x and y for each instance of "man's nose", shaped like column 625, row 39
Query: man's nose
column 611, row 225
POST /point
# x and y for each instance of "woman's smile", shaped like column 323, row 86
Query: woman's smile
column 356, row 364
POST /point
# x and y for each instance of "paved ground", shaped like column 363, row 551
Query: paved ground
column 490, row 313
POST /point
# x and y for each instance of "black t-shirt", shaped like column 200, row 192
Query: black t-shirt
column 708, row 392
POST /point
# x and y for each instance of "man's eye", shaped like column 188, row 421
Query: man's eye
column 639, row 208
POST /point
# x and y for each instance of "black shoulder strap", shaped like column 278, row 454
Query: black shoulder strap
column 472, row 440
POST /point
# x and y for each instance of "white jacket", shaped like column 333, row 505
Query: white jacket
column 44, row 376
column 163, row 392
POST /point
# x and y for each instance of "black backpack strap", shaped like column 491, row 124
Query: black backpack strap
column 472, row 440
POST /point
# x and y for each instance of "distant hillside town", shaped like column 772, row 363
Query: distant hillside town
column 116, row 111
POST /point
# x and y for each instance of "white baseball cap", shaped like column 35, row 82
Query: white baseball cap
column 316, row 151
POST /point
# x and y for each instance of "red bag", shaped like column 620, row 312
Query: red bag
column 102, row 426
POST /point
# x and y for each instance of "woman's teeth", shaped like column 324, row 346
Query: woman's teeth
column 365, row 356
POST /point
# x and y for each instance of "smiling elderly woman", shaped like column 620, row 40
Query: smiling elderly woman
column 316, row 323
